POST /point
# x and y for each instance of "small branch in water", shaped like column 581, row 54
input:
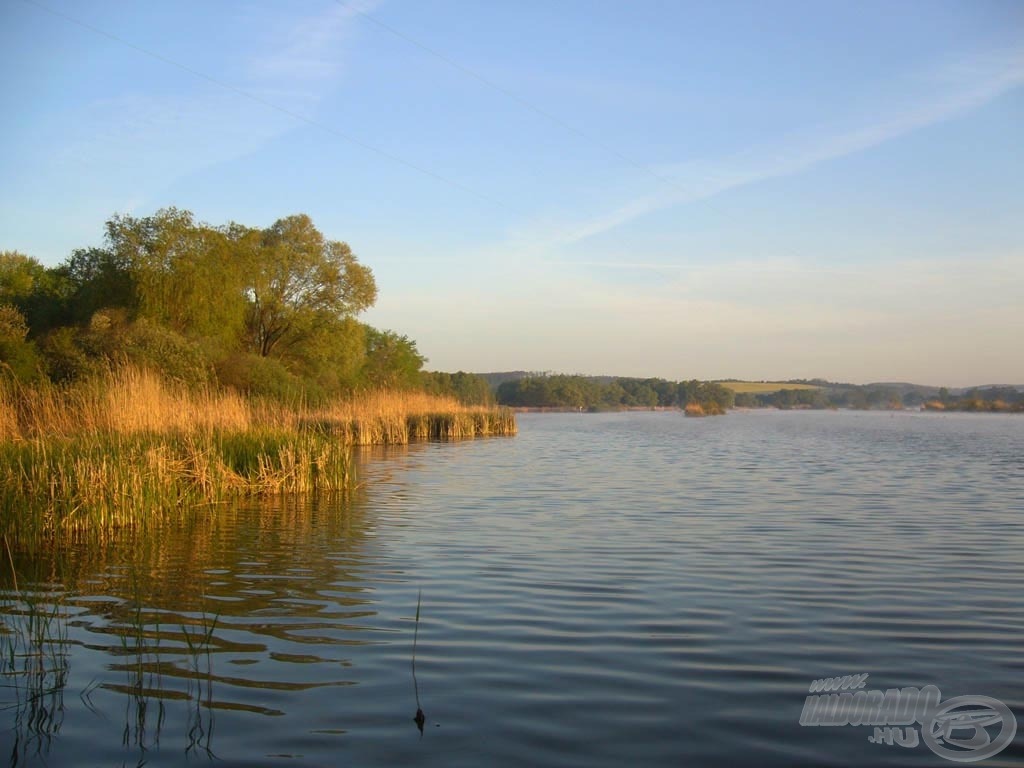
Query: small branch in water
column 420, row 718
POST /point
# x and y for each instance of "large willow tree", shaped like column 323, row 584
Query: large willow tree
column 298, row 284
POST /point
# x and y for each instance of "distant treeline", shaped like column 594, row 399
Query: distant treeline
column 873, row 397
column 468, row 388
column 599, row 393
column 268, row 312
column 544, row 390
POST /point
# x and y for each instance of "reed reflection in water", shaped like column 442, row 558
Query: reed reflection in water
column 167, row 632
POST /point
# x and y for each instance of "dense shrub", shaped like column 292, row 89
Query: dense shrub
column 260, row 376
column 18, row 356
column 151, row 346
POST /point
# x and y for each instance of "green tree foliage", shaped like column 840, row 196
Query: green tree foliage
column 98, row 278
column 38, row 293
column 19, row 275
column 392, row 361
column 285, row 291
column 599, row 393
column 582, row 392
column 261, row 376
column 611, row 395
column 987, row 399
column 18, row 356
column 185, row 276
column 710, row 395
column 66, row 357
column 331, row 358
column 468, row 388
column 188, row 298
column 146, row 344
column 648, row 393
column 746, row 400
column 298, row 282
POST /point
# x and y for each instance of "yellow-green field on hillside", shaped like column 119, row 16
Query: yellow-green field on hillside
column 762, row 387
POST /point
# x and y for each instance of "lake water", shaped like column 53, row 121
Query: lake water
column 601, row 590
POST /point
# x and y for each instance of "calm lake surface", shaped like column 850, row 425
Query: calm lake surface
column 601, row 590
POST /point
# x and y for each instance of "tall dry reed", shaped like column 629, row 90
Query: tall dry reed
column 129, row 447
column 382, row 417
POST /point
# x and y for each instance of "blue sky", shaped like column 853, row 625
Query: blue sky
column 752, row 190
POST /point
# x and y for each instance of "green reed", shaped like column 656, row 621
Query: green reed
column 104, row 481
column 34, row 666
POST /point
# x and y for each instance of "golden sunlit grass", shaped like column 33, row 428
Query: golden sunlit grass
column 762, row 387
column 129, row 447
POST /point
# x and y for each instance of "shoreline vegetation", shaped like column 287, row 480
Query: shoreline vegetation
column 602, row 393
column 129, row 448
column 542, row 392
column 182, row 364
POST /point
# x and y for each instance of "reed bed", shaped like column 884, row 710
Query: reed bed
column 130, row 448
column 389, row 418
column 703, row 409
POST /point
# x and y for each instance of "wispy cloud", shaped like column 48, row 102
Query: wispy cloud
column 945, row 93
column 172, row 134
column 313, row 51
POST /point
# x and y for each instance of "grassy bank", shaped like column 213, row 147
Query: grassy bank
column 130, row 447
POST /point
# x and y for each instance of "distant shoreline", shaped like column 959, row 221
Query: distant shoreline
column 567, row 409
column 745, row 409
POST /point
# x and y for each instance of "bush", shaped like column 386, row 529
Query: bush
column 18, row 356
column 260, row 376
column 64, row 357
column 160, row 349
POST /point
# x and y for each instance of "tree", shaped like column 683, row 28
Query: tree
column 98, row 278
column 688, row 392
column 19, row 276
column 184, row 274
column 746, row 400
column 269, row 310
column 392, row 361
column 17, row 355
column 298, row 280
column 718, row 395
column 468, row 388
column 37, row 292
column 332, row 357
